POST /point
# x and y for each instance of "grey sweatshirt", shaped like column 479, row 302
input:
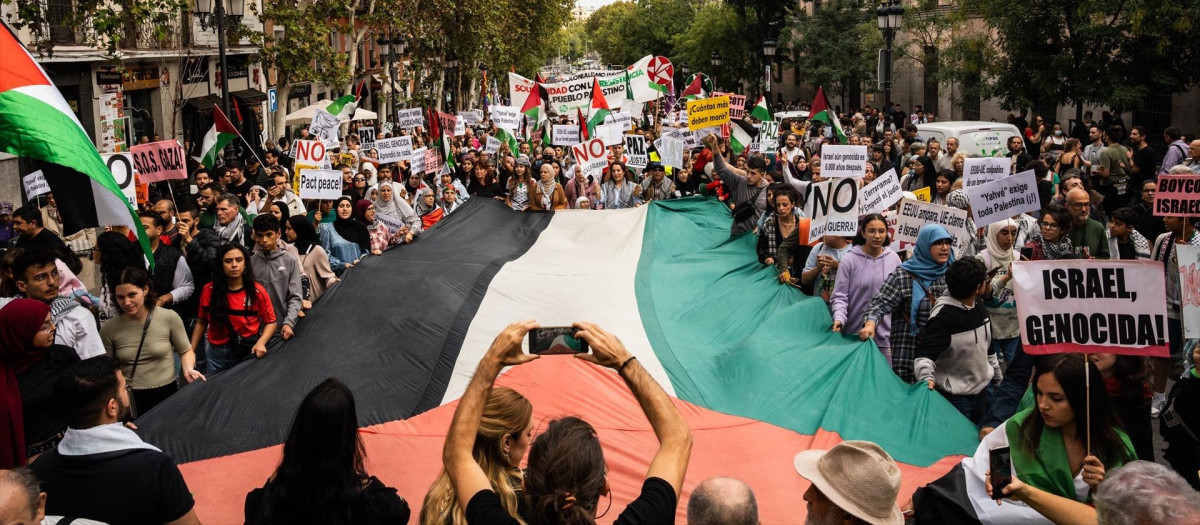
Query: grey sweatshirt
column 279, row 273
column 956, row 350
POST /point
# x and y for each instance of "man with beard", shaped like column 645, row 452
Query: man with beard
column 102, row 470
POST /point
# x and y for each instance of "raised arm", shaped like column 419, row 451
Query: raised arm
column 466, row 475
column 674, row 438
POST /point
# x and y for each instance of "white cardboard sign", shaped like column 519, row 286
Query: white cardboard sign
column 843, row 161
column 881, row 193
column 564, row 135
column 1004, row 198
column 394, row 149
column 979, row 171
column 35, row 184
column 592, row 157
column 320, row 184
column 506, row 117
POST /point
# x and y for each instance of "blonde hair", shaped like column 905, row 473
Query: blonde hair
column 507, row 413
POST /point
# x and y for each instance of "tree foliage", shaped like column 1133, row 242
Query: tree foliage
column 835, row 47
column 109, row 23
column 717, row 28
column 624, row 32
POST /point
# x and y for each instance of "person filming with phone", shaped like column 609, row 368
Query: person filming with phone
column 566, row 475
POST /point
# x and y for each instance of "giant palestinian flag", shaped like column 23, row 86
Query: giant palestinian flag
column 751, row 364
column 36, row 123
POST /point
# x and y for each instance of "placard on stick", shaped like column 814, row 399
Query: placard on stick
column 707, row 112
column 592, row 157
column 979, row 171
column 1177, row 195
column 843, row 161
column 881, row 193
column 1004, row 198
column 635, row 148
column 320, row 184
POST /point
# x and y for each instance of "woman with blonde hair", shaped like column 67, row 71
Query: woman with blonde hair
column 504, row 435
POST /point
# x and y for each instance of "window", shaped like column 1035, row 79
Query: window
column 59, row 14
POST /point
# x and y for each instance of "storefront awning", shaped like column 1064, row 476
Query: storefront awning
column 250, row 96
column 204, row 102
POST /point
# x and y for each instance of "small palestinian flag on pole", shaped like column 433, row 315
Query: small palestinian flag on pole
column 741, row 135
column 698, row 87
column 218, row 136
column 508, row 139
column 599, row 108
column 584, row 133
column 533, row 104
column 761, row 111
column 822, row 112
column 36, row 123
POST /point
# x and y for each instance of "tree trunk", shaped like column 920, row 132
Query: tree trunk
column 279, row 123
column 441, row 90
column 473, row 94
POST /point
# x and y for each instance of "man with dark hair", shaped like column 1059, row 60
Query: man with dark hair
column 745, row 187
column 239, row 184
column 31, row 233
column 1113, row 169
column 172, row 277
column 278, row 272
column 1176, row 149
column 656, row 186
column 202, row 178
column 101, row 470
column 37, row 277
column 722, row 501
column 1091, row 152
column 1016, row 153
column 1145, row 159
column 956, row 355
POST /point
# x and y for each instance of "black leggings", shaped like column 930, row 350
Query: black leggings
column 149, row 398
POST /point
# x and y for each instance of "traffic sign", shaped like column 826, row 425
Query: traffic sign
column 660, row 71
column 273, row 99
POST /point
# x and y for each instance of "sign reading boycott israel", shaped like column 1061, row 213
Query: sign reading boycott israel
column 1116, row 307
column 708, row 112
column 1178, row 195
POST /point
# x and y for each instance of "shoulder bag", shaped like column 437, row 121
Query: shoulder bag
column 133, row 411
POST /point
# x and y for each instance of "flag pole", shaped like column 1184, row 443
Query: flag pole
column 1087, row 381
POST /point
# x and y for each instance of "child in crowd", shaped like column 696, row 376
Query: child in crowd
column 956, row 355
column 1124, row 242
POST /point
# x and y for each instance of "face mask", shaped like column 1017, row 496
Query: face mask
column 1058, row 132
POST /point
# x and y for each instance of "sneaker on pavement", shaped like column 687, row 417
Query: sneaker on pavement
column 1156, row 405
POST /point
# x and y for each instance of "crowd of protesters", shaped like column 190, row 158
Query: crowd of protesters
column 93, row 336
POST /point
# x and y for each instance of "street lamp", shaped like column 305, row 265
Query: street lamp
column 768, row 57
column 888, row 17
column 221, row 17
column 385, row 52
column 715, row 60
column 452, row 66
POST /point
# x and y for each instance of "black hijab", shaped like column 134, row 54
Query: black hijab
column 306, row 234
column 350, row 229
column 284, row 215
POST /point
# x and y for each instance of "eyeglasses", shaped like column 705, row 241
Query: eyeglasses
column 1051, row 225
column 1077, row 205
column 47, row 326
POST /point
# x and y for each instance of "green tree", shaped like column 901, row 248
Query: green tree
column 1048, row 53
column 624, row 32
column 835, row 47
column 717, row 28
column 111, row 25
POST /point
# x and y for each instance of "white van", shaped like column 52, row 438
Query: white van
column 986, row 139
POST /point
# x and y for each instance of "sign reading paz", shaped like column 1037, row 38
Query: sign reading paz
column 671, row 150
column 979, row 171
column 366, row 138
column 592, row 157
column 1092, row 306
column 1004, row 198
column 843, row 161
column 1178, row 195
column 320, row 184
column 635, row 148
column 707, row 112
column 159, row 161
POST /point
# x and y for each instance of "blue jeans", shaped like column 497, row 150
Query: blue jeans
column 1006, row 349
column 1011, row 389
column 219, row 357
column 974, row 406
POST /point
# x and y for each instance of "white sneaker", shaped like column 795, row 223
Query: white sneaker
column 1157, row 404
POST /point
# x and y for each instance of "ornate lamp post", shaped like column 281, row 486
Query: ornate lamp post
column 888, row 17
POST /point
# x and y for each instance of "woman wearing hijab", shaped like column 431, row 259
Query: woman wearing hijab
column 547, row 193
column 280, row 210
column 958, row 199
column 392, row 205
column 1001, row 305
column 30, row 362
column 428, row 209
column 314, row 262
column 908, row 295
column 345, row 239
column 380, row 236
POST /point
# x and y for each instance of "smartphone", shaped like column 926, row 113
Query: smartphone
column 1001, row 466
column 555, row 340
column 1026, row 253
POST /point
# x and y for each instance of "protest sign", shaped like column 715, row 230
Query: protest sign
column 1004, row 198
column 394, row 149
column 707, row 112
column 471, row 118
column 366, row 138
column 915, row 214
column 1097, row 305
column 393, row 224
column 35, row 184
column 320, row 184
column 417, row 161
column 1177, row 195
column 325, row 126
column 635, row 148
column 881, row 193
column 410, row 118
column 624, row 121
column 610, row 134
column 843, row 161
column 387, row 128
column 564, row 135
column 671, row 151
column 432, row 164
column 460, row 127
column 123, row 172
column 979, row 171
column 493, row 145
column 506, row 117
column 1189, row 288
column 159, row 161
column 737, row 105
column 768, row 132
column 292, row 150
column 924, row 194
column 833, row 207
column 592, row 157
column 447, row 122
column 311, row 154
column 575, row 91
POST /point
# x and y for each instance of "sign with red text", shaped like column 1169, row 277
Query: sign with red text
column 1189, row 288
column 159, row 161
column 1092, row 306
column 592, row 157
column 833, row 207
